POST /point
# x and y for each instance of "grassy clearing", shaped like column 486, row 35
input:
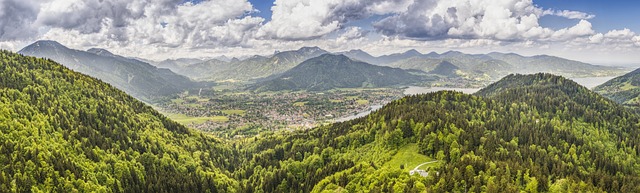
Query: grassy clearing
column 409, row 156
column 177, row 101
column 299, row 104
column 362, row 102
column 352, row 98
column 219, row 119
column 193, row 105
column 627, row 86
column 234, row 112
column 184, row 119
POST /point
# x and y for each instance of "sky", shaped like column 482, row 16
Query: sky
column 595, row 31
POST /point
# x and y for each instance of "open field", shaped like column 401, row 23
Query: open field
column 409, row 156
column 184, row 119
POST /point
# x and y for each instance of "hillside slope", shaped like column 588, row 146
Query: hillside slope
column 136, row 78
column 624, row 89
column 62, row 131
column 257, row 67
column 532, row 133
column 336, row 71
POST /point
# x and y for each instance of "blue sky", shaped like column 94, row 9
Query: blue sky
column 610, row 14
column 596, row 31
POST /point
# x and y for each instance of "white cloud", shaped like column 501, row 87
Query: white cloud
column 143, row 24
column 159, row 29
column 463, row 19
column 311, row 19
column 597, row 38
column 351, row 34
column 16, row 19
column 620, row 34
column 570, row 14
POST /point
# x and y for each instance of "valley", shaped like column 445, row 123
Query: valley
column 304, row 96
column 537, row 132
column 229, row 112
column 233, row 114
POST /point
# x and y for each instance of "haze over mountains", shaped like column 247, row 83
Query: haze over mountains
column 146, row 81
column 470, row 67
column 487, row 67
column 136, row 78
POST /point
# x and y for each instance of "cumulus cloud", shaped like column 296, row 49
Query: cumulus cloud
column 618, row 39
column 171, row 28
column 506, row 20
column 352, row 33
column 311, row 19
column 169, row 24
column 16, row 19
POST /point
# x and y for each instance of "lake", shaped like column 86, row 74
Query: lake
column 423, row 90
column 588, row 82
column 361, row 114
column 591, row 82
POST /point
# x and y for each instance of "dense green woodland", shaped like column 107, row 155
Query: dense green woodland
column 533, row 133
column 62, row 131
column 624, row 89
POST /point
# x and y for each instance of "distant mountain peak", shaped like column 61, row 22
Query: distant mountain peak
column 335, row 56
column 100, row 51
column 48, row 43
column 412, row 52
column 452, row 52
column 310, row 49
column 329, row 71
column 445, row 68
column 42, row 44
column 432, row 54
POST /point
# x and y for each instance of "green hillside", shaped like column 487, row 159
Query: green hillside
column 136, row 78
column 624, row 89
column 61, row 131
column 531, row 133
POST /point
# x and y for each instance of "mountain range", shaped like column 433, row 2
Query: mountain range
column 493, row 66
column 137, row 78
column 330, row 71
column 470, row 67
column 145, row 81
column 531, row 133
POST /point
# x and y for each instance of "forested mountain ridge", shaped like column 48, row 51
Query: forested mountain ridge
column 624, row 89
column 257, row 67
column 62, row 131
column 139, row 79
column 330, row 71
column 533, row 133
